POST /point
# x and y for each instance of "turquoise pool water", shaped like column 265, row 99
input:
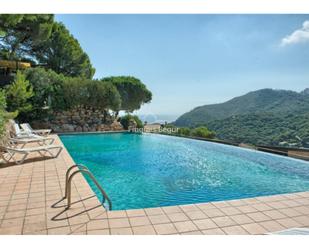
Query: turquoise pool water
column 148, row 170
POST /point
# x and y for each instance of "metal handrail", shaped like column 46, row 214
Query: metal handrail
column 67, row 176
column 68, row 183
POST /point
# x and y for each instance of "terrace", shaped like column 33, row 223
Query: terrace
column 30, row 195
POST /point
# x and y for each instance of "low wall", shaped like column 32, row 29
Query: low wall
column 286, row 151
column 80, row 120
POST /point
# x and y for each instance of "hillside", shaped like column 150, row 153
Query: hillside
column 264, row 129
column 263, row 117
column 261, row 101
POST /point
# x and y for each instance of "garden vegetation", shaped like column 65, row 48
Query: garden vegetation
column 61, row 74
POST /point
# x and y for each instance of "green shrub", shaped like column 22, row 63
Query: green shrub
column 2, row 112
column 184, row 131
column 48, row 95
column 55, row 92
column 125, row 120
column 18, row 95
column 4, row 115
column 203, row 132
column 90, row 93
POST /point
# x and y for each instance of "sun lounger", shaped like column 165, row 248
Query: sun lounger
column 24, row 152
column 27, row 128
column 19, row 133
column 27, row 140
column 23, row 137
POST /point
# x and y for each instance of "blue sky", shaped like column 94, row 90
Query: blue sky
column 192, row 60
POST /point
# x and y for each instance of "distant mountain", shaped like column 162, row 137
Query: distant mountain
column 157, row 118
column 261, row 101
column 263, row 117
column 305, row 92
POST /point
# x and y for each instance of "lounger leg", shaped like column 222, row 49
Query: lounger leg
column 59, row 151
column 54, row 155
column 42, row 154
column 4, row 158
column 51, row 141
column 11, row 156
column 20, row 161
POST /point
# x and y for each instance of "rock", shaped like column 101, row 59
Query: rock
column 116, row 126
column 79, row 129
column 75, row 118
column 79, row 120
column 68, row 127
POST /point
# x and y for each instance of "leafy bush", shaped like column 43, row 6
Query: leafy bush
column 2, row 111
column 18, row 95
column 184, row 131
column 203, row 132
column 47, row 87
column 90, row 93
column 4, row 115
column 55, row 92
column 125, row 120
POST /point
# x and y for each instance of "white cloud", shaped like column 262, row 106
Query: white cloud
column 298, row 36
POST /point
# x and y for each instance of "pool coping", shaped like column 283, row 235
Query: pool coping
column 258, row 215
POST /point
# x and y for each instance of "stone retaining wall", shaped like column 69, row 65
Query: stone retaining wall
column 80, row 120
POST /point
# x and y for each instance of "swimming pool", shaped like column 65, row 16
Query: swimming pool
column 149, row 170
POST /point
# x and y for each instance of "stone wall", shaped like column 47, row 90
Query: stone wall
column 80, row 120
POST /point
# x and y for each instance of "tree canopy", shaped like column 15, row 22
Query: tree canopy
column 132, row 91
column 20, row 34
column 90, row 93
column 63, row 54
column 41, row 40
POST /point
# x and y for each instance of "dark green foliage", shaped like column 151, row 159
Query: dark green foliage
column 18, row 95
column 90, row 93
column 21, row 33
column 125, row 121
column 264, row 117
column 184, row 131
column 3, row 118
column 4, row 115
column 63, row 54
column 40, row 40
column 132, row 91
column 265, row 100
column 202, row 132
column 56, row 92
column 47, row 86
column 264, row 128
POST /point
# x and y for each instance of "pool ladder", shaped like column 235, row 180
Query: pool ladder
column 68, row 183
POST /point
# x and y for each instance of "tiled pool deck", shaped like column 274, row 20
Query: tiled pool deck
column 28, row 194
